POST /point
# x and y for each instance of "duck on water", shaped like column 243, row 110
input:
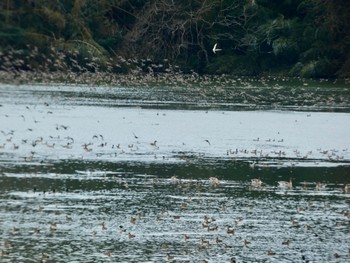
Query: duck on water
column 285, row 184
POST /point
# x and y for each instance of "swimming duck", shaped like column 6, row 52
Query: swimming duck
column 133, row 220
column 44, row 257
column 320, row 186
column 205, row 242
column 213, row 228
column 53, row 227
column 174, row 178
column 230, row 230
column 285, row 184
column 4, row 253
column 286, row 242
column 218, row 241
column 214, row 181
column 256, row 182
column 154, row 143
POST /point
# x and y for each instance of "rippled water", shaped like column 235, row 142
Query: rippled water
column 82, row 167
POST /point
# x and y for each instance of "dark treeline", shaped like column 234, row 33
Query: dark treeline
column 307, row 38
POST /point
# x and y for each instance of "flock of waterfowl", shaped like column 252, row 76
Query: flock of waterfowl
column 257, row 182
column 36, row 148
column 191, row 220
column 31, row 144
column 183, row 219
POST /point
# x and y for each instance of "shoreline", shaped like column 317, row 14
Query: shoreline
column 138, row 78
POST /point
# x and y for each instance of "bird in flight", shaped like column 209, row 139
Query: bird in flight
column 207, row 141
column 215, row 49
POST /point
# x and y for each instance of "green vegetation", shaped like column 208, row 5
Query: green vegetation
column 306, row 38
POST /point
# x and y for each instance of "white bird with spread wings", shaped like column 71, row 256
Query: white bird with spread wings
column 215, row 49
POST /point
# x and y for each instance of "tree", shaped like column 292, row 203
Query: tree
column 308, row 38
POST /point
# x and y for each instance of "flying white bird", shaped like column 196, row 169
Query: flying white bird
column 216, row 49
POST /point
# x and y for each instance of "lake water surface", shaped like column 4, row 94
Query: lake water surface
column 163, row 173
